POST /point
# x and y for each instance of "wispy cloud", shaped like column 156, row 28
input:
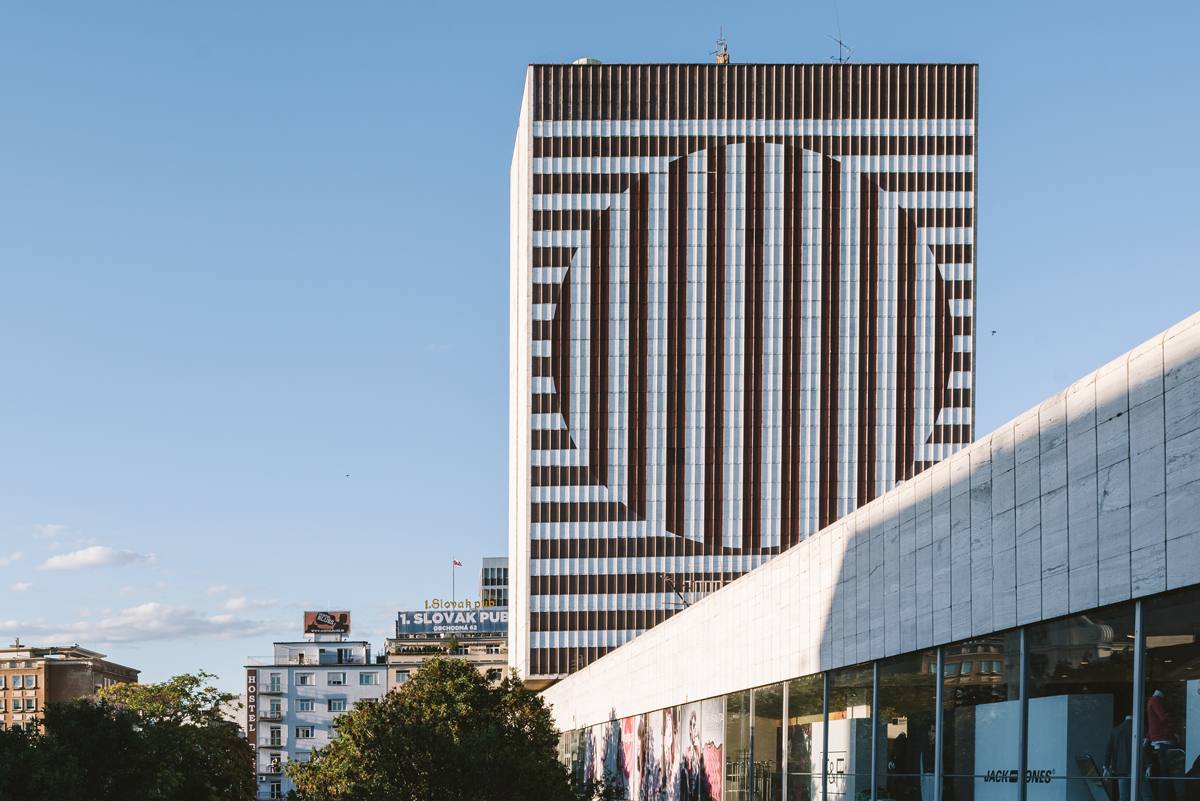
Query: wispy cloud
column 243, row 604
column 49, row 532
column 146, row 623
column 96, row 556
column 231, row 589
column 8, row 560
column 22, row 586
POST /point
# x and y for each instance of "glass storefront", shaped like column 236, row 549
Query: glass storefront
column 981, row 686
column 806, row 718
column 877, row 732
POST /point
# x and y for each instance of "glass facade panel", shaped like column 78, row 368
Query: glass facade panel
column 737, row 747
column 907, row 704
column 768, row 743
column 1080, row 693
column 805, row 714
column 848, row 758
column 1172, row 714
column 981, row 712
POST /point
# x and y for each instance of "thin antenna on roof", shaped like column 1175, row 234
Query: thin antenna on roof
column 722, row 51
column 844, row 50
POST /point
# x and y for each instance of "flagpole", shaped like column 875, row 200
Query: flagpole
column 453, row 595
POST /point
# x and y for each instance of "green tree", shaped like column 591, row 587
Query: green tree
column 185, row 699
column 444, row 734
column 163, row 741
column 199, row 755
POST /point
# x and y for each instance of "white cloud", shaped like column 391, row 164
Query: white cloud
column 225, row 589
column 242, row 604
column 22, row 586
column 8, row 560
column 49, row 532
column 146, row 623
column 95, row 556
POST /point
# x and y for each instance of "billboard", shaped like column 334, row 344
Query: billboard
column 486, row 620
column 322, row 622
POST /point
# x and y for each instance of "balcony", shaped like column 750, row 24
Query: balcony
column 271, row 714
column 274, row 767
column 302, row 659
column 273, row 687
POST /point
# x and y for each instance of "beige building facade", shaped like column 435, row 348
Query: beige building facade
column 31, row 677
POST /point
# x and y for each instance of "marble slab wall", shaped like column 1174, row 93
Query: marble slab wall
column 1089, row 499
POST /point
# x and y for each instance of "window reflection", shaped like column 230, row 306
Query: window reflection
column 907, row 699
column 768, row 743
column 981, row 693
column 1172, row 710
column 1080, row 691
column 848, row 760
column 805, row 714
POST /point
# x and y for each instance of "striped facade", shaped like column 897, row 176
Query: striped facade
column 742, row 304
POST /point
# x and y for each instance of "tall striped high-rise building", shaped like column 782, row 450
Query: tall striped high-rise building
column 741, row 307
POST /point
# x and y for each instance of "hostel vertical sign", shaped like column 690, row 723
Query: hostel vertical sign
column 252, row 714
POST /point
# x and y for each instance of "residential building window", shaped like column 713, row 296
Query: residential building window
column 276, row 736
column 276, row 792
column 368, row 678
column 305, row 679
column 1, row 682
column 401, row 676
column 277, row 706
column 337, row 678
column 276, row 682
column 304, row 705
column 30, row 682
column 16, row 682
column 337, row 704
column 30, row 704
column 304, row 732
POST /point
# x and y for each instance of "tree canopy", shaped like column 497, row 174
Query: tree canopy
column 445, row 734
column 155, row 741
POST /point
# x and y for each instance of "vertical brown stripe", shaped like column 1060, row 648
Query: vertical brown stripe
column 598, row 328
column 639, row 310
column 792, row 372
column 676, row 378
column 868, row 336
column 906, row 342
column 560, row 341
column 943, row 345
column 831, row 303
column 753, row 365
column 714, row 350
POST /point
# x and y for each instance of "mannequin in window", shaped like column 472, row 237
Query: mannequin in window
column 1161, row 734
column 1118, row 759
column 926, row 750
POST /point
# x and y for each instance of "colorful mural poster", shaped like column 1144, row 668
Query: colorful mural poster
column 712, row 753
column 691, row 765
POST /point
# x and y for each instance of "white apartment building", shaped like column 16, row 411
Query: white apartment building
column 295, row 696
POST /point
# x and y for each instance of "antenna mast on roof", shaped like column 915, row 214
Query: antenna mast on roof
column 722, row 51
column 844, row 50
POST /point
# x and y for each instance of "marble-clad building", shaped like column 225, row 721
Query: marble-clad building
column 996, row 616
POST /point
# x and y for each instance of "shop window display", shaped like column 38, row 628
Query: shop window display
column 1172, row 696
column 981, row 710
column 768, row 743
column 737, row 747
column 805, row 714
column 907, row 704
column 848, row 755
column 1080, row 694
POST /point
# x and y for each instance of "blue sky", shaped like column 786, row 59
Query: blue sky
column 254, row 276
